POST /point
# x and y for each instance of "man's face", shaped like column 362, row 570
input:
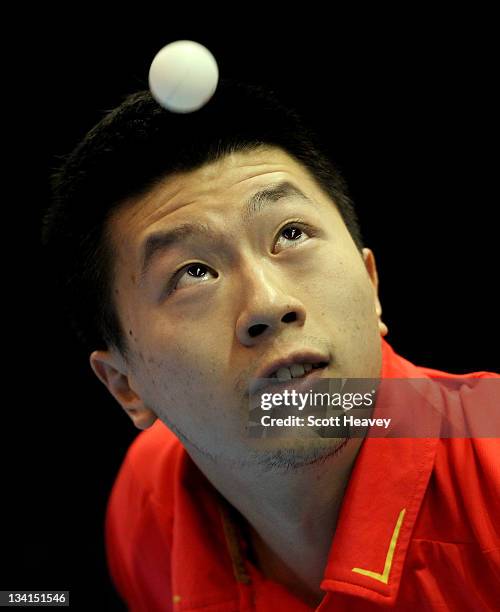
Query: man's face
column 245, row 288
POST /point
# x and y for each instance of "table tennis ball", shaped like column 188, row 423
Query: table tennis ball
column 183, row 76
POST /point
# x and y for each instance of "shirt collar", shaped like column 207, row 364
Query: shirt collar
column 381, row 504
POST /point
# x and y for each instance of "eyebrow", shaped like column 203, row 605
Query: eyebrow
column 163, row 240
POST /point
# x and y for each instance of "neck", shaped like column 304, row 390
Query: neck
column 290, row 514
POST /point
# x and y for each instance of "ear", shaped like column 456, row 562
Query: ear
column 371, row 268
column 112, row 371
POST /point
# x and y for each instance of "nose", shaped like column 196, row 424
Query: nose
column 267, row 308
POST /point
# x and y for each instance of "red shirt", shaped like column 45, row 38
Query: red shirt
column 418, row 528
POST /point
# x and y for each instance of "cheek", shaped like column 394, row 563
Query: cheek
column 182, row 383
column 340, row 287
column 185, row 353
column 346, row 303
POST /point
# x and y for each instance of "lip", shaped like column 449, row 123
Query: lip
column 286, row 361
column 273, row 385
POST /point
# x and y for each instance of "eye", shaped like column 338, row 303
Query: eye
column 192, row 274
column 292, row 234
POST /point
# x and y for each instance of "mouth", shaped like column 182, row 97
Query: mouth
column 290, row 372
column 297, row 370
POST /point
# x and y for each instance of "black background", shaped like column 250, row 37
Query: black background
column 407, row 107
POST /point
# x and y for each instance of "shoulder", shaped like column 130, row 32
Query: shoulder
column 463, row 497
column 471, row 466
column 462, row 501
column 440, row 374
column 467, row 463
column 396, row 366
column 139, row 518
column 149, row 465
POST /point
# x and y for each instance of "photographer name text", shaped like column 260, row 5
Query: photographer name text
column 333, row 421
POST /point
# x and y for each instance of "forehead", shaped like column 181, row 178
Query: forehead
column 213, row 193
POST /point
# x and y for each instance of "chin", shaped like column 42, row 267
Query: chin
column 281, row 454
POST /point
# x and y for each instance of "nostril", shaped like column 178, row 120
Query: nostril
column 289, row 317
column 256, row 330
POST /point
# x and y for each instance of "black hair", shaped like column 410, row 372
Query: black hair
column 130, row 150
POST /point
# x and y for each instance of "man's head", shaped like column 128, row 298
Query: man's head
column 199, row 248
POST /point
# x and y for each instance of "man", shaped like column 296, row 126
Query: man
column 202, row 252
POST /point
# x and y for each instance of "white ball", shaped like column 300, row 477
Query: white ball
column 183, row 76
